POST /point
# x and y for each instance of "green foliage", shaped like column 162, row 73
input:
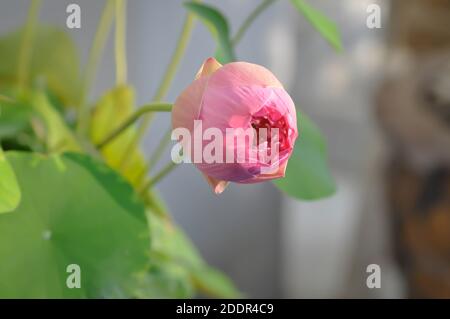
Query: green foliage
column 320, row 22
column 67, row 216
column 69, row 208
column 175, row 259
column 307, row 175
column 9, row 188
column 54, row 61
column 218, row 26
column 164, row 279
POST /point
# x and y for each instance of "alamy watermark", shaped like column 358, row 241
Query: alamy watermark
column 73, row 20
column 374, row 279
column 232, row 145
column 74, row 278
column 373, row 20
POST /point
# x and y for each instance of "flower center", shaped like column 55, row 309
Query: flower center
column 268, row 122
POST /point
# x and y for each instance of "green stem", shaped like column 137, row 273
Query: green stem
column 159, row 176
column 156, row 204
column 98, row 45
column 176, row 58
column 149, row 108
column 27, row 43
column 157, row 154
column 183, row 41
column 135, row 140
column 120, row 43
column 249, row 20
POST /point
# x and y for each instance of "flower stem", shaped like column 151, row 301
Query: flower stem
column 120, row 43
column 27, row 43
column 156, row 156
column 176, row 58
column 165, row 83
column 91, row 67
column 159, row 176
column 249, row 20
column 154, row 107
column 156, row 205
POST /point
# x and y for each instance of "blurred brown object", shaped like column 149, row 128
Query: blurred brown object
column 420, row 208
column 420, row 25
column 414, row 111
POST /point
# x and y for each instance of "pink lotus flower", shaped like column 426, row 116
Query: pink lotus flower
column 238, row 95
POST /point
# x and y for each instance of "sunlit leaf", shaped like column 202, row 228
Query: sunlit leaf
column 320, row 22
column 59, row 137
column 308, row 176
column 67, row 216
column 9, row 188
column 115, row 107
column 54, row 61
column 218, row 26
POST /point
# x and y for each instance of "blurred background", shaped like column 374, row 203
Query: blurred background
column 383, row 104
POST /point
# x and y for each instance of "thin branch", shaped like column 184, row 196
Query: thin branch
column 250, row 19
column 26, row 47
column 159, row 176
column 154, row 107
column 156, row 156
column 120, row 43
column 163, row 88
column 98, row 45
